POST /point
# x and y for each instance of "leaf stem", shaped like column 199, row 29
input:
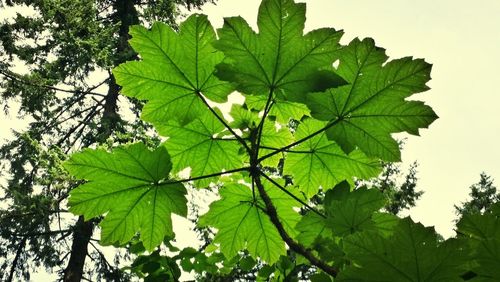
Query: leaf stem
column 224, row 122
column 295, row 246
column 209, row 175
column 267, row 108
column 284, row 149
column 291, row 195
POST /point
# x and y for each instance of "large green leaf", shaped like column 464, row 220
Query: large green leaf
column 242, row 222
column 373, row 105
column 318, row 162
column 202, row 146
column 412, row 253
column 282, row 110
column 311, row 227
column 131, row 186
column 174, row 69
column 482, row 234
column 279, row 57
column 352, row 211
column 274, row 138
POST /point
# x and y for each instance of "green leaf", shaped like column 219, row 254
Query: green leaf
column 350, row 212
column 243, row 118
column 280, row 57
column 282, row 110
column 174, row 69
column 384, row 223
column 131, row 186
column 201, row 146
column 482, row 234
column 318, row 162
column 274, row 138
column 247, row 263
column 412, row 253
column 311, row 227
column 372, row 106
column 243, row 224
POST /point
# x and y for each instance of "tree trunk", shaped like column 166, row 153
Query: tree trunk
column 126, row 15
column 81, row 237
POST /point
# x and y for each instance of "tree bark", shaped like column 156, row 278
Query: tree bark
column 81, row 237
column 126, row 15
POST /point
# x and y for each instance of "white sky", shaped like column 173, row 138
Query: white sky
column 462, row 40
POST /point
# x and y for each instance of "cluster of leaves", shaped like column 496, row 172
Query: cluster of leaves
column 316, row 117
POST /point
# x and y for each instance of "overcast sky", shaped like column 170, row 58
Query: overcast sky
column 462, row 40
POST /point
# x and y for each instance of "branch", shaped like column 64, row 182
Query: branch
column 13, row 77
column 267, row 108
column 287, row 151
column 224, row 122
column 82, row 122
column 283, row 149
column 32, row 234
column 9, row 216
column 16, row 259
column 294, row 246
column 210, row 175
column 291, row 195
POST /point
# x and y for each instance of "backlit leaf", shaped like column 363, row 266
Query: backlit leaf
column 279, row 57
column 243, row 224
column 174, row 69
column 200, row 145
column 131, row 186
column 373, row 105
column 319, row 162
column 482, row 234
column 412, row 253
column 352, row 211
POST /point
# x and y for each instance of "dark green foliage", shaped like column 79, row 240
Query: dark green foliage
column 483, row 195
column 55, row 72
column 293, row 166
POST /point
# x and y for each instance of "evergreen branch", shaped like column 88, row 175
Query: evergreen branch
column 50, row 87
column 103, row 257
column 294, row 246
column 74, row 128
column 62, row 109
column 8, row 216
column 283, row 149
column 292, row 195
column 16, row 259
column 76, row 114
column 33, row 234
column 224, row 122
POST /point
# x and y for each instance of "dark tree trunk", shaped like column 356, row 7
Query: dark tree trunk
column 81, row 236
column 126, row 15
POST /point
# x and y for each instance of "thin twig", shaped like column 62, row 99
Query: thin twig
column 12, row 77
column 300, row 141
column 209, row 175
column 267, row 108
column 223, row 122
column 286, row 151
column 291, row 194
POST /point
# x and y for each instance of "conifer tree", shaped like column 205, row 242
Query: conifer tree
column 56, row 61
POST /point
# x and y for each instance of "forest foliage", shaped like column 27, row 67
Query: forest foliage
column 316, row 120
column 343, row 117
